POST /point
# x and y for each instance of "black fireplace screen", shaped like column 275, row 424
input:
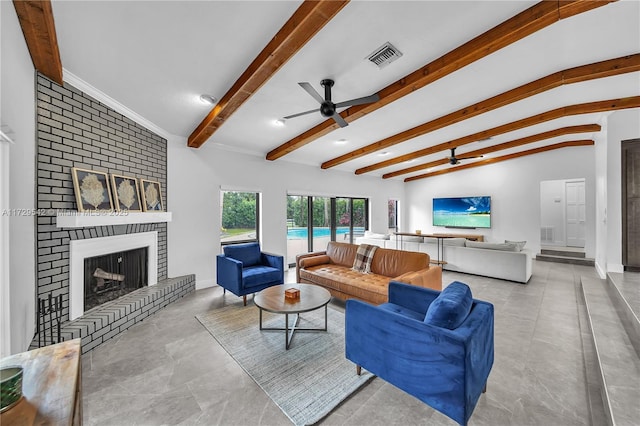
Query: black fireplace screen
column 113, row 275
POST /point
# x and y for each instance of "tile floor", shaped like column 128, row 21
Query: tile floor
column 169, row 370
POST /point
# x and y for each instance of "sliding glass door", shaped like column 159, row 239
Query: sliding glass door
column 322, row 226
column 297, row 226
column 314, row 221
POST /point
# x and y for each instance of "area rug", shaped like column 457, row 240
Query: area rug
column 308, row 380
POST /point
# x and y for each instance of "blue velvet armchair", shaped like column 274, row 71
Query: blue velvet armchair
column 436, row 346
column 245, row 269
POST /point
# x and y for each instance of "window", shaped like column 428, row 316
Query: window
column 393, row 215
column 240, row 215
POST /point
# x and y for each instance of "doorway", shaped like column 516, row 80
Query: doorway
column 575, row 208
column 563, row 213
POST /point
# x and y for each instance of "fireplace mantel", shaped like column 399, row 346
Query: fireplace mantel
column 73, row 219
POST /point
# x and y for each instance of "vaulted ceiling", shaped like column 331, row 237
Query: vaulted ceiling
column 500, row 79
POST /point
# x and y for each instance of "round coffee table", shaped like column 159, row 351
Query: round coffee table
column 272, row 299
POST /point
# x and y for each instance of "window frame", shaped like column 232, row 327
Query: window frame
column 258, row 196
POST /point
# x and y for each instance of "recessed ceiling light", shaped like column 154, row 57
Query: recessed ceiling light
column 341, row 142
column 208, row 99
column 279, row 122
column 384, row 154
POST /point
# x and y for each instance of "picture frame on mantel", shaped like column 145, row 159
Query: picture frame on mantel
column 151, row 196
column 92, row 190
column 126, row 194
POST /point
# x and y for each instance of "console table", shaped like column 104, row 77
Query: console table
column 51, row 386
column 439, row 243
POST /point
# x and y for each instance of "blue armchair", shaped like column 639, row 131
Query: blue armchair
column 436, row 346
column 244, row 269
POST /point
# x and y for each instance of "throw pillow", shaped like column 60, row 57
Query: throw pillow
column 364, row 256
column 451, row 307
column 519, row 244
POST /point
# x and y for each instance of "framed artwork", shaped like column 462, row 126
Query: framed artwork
column 151, row 196
column 92, row 190
column 126, row 195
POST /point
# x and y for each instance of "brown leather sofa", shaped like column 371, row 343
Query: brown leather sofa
column 331, row 269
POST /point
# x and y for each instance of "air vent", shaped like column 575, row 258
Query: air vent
column 384, row 55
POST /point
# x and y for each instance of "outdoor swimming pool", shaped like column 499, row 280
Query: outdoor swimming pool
column 302, row 234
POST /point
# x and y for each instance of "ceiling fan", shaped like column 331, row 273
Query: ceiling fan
column 453, row 160
column 327, row 107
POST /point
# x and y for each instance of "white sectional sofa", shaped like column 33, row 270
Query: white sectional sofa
column 506, row 261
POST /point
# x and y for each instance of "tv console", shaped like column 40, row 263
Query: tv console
column 471, row 237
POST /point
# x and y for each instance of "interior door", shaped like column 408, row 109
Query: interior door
column 575, row 213
column 631, row 204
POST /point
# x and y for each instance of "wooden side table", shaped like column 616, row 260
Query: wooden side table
column 51, row 386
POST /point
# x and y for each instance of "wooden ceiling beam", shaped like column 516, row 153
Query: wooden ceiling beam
column 585, row 108
column 584, row 128
column 516, row 28
column 307, row 20
column 39, row 29
column 617, row 66
column 503, row 158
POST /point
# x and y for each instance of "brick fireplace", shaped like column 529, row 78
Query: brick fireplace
column 76, row 130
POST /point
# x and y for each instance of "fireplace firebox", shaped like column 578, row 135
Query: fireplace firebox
column 108, row 277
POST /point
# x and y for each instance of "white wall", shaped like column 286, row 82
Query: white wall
column 601, row 200
column 194, row 179
column 514, row 187
column 621, row 125
column 552, row 208
column 18, row 112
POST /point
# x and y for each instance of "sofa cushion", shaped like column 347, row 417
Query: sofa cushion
column 492, row 246
column 458, row 242
column 519, row 244
column 248, row 253
column 392, row 263
column 451, row 307
column 342, row 253
column 373, row 235
column 258, row 275
column 308, row 262
column 348, row 281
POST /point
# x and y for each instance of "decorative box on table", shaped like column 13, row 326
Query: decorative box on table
column 292, row 293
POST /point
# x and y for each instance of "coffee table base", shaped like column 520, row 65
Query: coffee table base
column 289, row 331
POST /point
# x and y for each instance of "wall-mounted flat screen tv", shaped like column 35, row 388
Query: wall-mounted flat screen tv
column 462, row 212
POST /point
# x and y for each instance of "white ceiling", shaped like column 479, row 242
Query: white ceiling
column 157, row 57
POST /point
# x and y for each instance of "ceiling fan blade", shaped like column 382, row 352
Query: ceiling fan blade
column 469, row 158
column 359, row 101
column 300, row 113
column 310, row 90
column 338, row 119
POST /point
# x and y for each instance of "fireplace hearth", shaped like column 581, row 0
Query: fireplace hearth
column 108, row 277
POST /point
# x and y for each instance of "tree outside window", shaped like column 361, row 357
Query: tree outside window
column 240, row 217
